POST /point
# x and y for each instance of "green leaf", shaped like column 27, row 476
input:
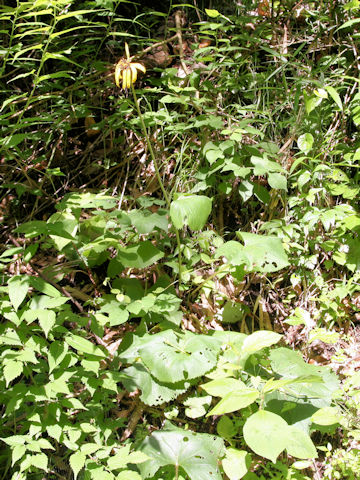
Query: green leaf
column 120, row 459
column 196, row 453
column 299, row 444
column 222, row 386
column 236, row 463
column 335, row 96
column 77, row 462
column 153, row 392
column 140, row 255
column 278, row 181
column 305, row 142
column 128, row 475
column 82, row 345
column 40, row 461
column 12, row 370
column 326, row 416
column 17, row 452
column 197, row 406
column 47, row 319
column 212, row 13
column 259, row 340
column 56, row 354
column 191, row 210
column 266, row 434
column 172, row 357
column 18, row 288
column 265, row 253
column 234, row 401
column 226, row 428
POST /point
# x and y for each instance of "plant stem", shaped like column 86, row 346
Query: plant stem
column 157, row 172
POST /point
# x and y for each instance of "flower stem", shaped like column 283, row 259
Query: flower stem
column 157, row 172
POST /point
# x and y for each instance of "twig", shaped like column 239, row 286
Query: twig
column 134, row 420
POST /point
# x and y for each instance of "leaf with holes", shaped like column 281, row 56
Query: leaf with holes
column 173, row 357
column 153, row 392
column 196, row 453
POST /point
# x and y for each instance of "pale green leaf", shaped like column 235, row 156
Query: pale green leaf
column 299, row 444
column 335, row 96
column 266, row 434
column 18, row 288
column 259, row 340
column 12, row 370
column 326, row 416
column 234, row 401
column 77, row 462
column 236, row 463
column 305, row 142
column 190, row 210
column 196, row 453
column 82, row 345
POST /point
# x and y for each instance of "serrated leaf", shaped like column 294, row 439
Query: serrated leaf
column 82, row 345
column 77, row 462
column 56, row 354
column 40, row 461
column 120, row 459
column 222, row 386
column 196, row 453
column 47, row 319
column 17, row 452
column 190, row 210
column 128, row 475
column 18, row 288
column 266, row 434
column 12, row 370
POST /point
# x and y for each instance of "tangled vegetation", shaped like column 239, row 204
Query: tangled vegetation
column 180, row 247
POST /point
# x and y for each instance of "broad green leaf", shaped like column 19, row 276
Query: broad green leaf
column 234, row 253
column 278, row 181
column 259, row 340
column 172, row 357
column 18, row 288
column 12, row 370
column 326, row 416
column 234, row 401
column 264, row 252
column 266, row 434
column 223, row 386
column 77, row 462
column 305, row 142
column 226, row 428
column 82, row 345
column 140, row 255
column 196, row 453
column 190, row 210
column 299, row 444
column 349, row 23
column 153, row 392
column 236, row 463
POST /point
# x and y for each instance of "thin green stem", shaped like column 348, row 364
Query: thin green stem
column 157, row 172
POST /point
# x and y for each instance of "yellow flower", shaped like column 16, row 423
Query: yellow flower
column 127, row 71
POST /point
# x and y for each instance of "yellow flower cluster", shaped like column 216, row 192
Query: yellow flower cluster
column 127, row 71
